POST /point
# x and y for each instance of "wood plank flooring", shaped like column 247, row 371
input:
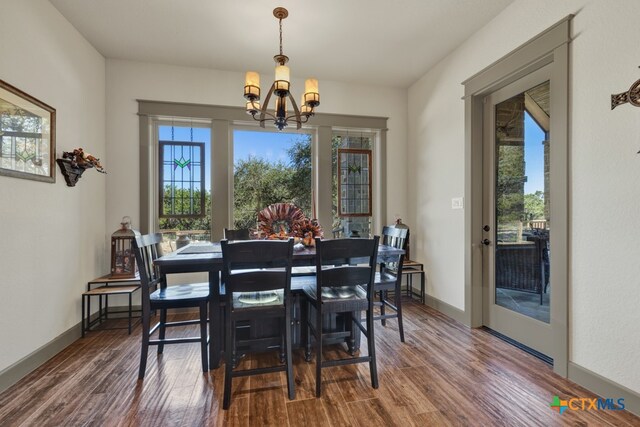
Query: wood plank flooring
column 444, row 375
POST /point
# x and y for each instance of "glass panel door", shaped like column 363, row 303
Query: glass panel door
column 517, row 255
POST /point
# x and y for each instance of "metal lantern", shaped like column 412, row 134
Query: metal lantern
column 123, row 257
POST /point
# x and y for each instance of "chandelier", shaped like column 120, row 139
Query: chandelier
column 280, row 89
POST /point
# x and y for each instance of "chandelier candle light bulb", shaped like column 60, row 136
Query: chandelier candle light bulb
column 252, row 85
column 282, row 80
column 281, row 90
column 304, row 108
column 311, row 95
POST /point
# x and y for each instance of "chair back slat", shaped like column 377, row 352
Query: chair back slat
column 257, row 280
column 236, row 234
column 256, row 265
column 339, row 253
column 147, row 250
column 350, row 275
column 257, row 253
column 397, row 238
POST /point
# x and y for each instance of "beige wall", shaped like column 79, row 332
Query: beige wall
column 128, row 81
column 53, row 236
column 604, row 172
column 56, row 237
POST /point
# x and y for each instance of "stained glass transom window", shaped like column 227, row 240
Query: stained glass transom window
column 182, row 174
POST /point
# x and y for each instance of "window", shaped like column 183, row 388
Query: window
column 352, row 186
column 302, row 161
column 184, row 183
column 270, row 167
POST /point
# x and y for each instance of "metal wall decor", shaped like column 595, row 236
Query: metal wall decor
column 632, row 96
column 27, row 136
column 74, row 163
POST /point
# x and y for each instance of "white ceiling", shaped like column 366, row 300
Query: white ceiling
column 380, row 42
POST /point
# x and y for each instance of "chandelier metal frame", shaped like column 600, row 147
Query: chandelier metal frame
column 280, row 89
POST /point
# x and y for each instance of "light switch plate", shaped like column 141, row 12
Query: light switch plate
column 457, row 203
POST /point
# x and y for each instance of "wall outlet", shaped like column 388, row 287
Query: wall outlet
column 457, row 203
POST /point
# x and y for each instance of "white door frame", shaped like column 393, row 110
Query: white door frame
column 549, row 47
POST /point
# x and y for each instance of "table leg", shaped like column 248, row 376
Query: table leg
column 100, row 309
column 215, row 325
column 82, row 324
column 130, row 312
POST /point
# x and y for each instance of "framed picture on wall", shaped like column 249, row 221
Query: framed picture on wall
column 354, row 182
column 27, row 136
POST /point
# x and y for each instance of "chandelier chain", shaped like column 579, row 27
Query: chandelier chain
column 280, row 23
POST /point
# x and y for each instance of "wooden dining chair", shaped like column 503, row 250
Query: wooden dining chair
column 156, row 295
column 389, row 278
column 257, row 287
column 236, row 234
column 342, row 286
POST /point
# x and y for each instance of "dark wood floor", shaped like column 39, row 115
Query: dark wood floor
column 445, row 374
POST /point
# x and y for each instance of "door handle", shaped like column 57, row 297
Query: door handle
column 486, row 242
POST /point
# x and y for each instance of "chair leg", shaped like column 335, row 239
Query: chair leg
column 162, row 329
column 283, row 341
column 371, row 342
column 302, row 321
column 216, row 328
column 318, row 336
column 228, row 362
column 203, row 336
column 307, row 343
column 144, row 350
column 289, row 359
column 351, row 343
column 383, row 297
column 398, row 302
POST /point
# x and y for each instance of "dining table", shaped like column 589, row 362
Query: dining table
column 207, row 257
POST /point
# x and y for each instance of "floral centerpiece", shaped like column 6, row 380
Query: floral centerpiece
column 283, row 220
column 308, row 230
